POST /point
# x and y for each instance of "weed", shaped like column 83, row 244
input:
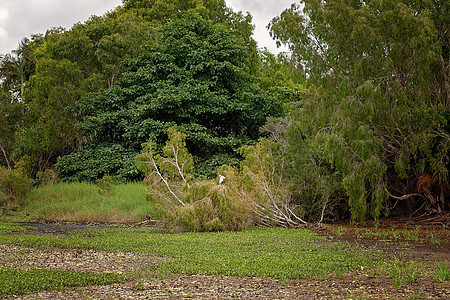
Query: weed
column 84, row 202
column 415, row 295
column 378, row 270
column 13, row 227
column 106, row 184
column 404, row 272
column 139, row 286
column 411, row 236
column 18, row 282
column 340, row 232
column 434, row 240
column 442, row 272
column 293, row 253
column 340, row 274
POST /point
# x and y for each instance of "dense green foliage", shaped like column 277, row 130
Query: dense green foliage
column 363, row 94
column 95, row 161
column 10, row 121
column 258, row 252
column 14, row 186
column 18, row 282
column 51, row 72
column 377, row 110
column 194, row 81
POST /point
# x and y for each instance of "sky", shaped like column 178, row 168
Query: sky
column 21, row 18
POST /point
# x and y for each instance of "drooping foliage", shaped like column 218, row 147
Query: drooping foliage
column 194, row 81
column 377, row 108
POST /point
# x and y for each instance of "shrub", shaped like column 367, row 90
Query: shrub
column 184, row 202
column 14, row 185
column 93, row 163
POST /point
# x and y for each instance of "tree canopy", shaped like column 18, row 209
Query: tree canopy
column 377, row 109
column 92, row 52
column 354, row 120
column 195, row 81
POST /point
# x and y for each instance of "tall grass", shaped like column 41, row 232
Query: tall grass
column 86, row 202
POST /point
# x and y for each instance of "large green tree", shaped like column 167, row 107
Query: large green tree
column 96, row 49
column 378, row 105
column 196, row 82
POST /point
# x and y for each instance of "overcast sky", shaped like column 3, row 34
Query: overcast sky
column 21, row 18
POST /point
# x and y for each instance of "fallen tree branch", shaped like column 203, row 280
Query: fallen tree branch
column 404, row 197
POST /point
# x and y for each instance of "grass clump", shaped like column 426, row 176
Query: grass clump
column 404, row 272
column 442, row 272
column 19, row 282
column 86, row 202
column 434, row 240
column 6, row 227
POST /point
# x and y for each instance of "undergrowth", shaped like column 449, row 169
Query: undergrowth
column 85, row 202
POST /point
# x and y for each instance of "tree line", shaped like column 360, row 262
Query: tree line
column 352, row 122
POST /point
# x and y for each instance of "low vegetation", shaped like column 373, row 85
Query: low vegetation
column 18, row 282
column 86, row 202
column 442, row 272
column 278, row 253
column 14, row 186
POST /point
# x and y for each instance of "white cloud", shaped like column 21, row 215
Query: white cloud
column 21, row 18
column 27, row 17
column 3, row 20
column 263, row 11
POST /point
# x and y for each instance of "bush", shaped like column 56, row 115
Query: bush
column 209, row 207
column 14, row 186
column 93, row 163
column 186, row 203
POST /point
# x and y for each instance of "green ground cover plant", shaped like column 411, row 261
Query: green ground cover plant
column 261, row 252
column 86, row 202
column 277, row 253
column 404, row 273
column 18, row 282
column 13, row 227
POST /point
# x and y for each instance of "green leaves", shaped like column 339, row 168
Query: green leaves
column 376, row 68
column 194, row 82
column 93, row 162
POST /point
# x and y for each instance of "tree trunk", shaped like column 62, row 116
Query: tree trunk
column 6, row 156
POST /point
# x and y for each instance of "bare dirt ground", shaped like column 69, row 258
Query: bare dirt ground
column 355, row 286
